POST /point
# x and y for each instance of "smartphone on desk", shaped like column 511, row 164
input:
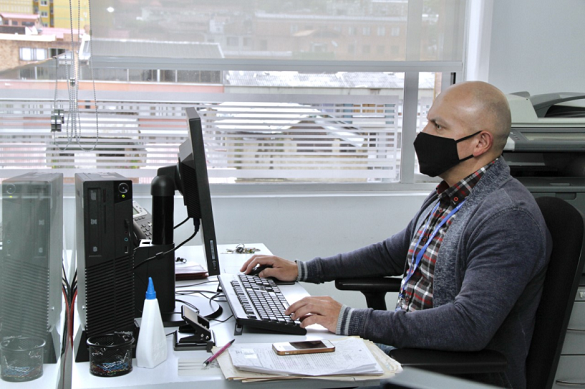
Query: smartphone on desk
column 303, row 347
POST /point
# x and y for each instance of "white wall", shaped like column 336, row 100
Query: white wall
column 538, row 46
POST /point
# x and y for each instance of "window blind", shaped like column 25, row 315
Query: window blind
column 248, row 137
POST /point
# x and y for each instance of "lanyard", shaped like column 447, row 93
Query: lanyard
column 421, row 252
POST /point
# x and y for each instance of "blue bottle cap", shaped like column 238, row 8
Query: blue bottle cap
column 150, row 292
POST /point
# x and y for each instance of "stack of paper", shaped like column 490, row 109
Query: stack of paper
column 351, row 356
column 354, row 359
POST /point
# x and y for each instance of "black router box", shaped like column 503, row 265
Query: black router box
column 105, row 291
column 31, row 258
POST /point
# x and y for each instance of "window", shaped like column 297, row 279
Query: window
column 303, row 97
column 143, row 75
column 197, row 76
column 44, row 14
column 168, row 76
column 32, row 54
column 44, row 2
column 53, row 52
column 120, row 75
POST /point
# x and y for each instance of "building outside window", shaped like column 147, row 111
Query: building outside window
column 280, row 107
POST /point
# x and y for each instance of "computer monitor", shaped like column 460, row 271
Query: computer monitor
column 191, row 179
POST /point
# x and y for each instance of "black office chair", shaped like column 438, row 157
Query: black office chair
column 566, row 226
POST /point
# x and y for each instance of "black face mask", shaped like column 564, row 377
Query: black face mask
column 436, row 154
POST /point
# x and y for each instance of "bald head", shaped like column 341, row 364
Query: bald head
column 484, row 108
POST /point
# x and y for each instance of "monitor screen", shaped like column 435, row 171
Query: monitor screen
column 193, row 183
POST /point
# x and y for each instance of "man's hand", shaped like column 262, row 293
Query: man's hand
column 316, row 310
column 279, row 268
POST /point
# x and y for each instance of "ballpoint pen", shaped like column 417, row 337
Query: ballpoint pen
column 217, row 354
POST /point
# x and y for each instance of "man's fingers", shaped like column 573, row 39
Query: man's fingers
column 296, row 305
column 310, row 320
column 306, row 306
column 255, row 260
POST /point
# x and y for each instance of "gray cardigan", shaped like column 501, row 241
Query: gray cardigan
column 488, row 278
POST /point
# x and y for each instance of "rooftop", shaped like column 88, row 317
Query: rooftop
column 8, row 15
column 129, row 48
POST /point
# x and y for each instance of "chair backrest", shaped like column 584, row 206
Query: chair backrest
column 566, row 226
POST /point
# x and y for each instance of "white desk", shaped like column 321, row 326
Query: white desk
column 166, row 374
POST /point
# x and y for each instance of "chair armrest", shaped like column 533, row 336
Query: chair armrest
column 451, row 362
column 373, row 288
column 369, row 284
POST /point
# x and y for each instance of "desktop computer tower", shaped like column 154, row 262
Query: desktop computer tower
column 105, row 274
column 31, row 259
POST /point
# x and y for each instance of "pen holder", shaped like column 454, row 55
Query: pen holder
column 110, row 355
column 22, row 358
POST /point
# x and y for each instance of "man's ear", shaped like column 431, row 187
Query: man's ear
column 484, row 144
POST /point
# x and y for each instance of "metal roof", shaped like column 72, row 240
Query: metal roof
column 12, row 15
column 152, row 49
column 331, row 80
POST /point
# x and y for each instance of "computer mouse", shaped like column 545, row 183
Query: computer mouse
column 257, row 269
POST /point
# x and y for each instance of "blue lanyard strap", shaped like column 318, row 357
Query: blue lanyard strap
column 421, row 252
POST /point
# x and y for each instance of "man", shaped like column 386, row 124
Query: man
column 473, row 257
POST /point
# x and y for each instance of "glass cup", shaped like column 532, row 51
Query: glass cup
column 110, row 355
column 21, row 358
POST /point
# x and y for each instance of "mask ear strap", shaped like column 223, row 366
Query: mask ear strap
column 466, row 158
column 464, row 138
column 467, row 137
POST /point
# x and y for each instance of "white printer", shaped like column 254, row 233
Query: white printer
column 546, row 152
column 546, row 146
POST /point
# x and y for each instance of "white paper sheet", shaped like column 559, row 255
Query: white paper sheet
column 351, row 356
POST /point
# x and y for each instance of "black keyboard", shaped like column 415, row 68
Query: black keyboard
column 258, row 302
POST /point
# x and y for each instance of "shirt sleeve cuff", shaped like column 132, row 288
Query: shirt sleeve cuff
column 302, row 271
column 343, row 320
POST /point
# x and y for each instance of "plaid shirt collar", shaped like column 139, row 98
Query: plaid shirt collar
column 458, row 192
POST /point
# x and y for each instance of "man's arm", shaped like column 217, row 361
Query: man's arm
column 503, row 255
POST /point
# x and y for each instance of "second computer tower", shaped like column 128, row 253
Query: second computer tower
column 105, row 274
column 31, row 259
